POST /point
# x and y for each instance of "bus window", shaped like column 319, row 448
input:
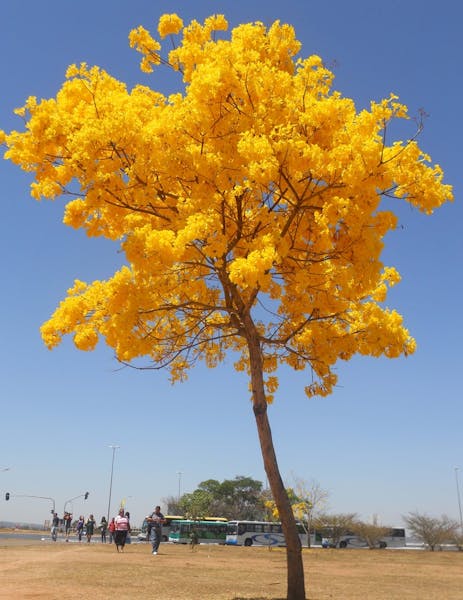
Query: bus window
column 398, row 532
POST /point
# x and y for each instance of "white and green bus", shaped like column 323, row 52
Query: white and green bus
column 260, row 533
column 206, row 532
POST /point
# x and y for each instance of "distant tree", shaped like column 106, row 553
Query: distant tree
column 306, row 498
column 432, row 531
column 238, row 498
column 312, row 500
column 196, row 505
column 172, row 505
column 456, row 538
column 212, row 486
column 267, row 505
column 249, row 207
column 335, row 526
column 371, row 533
column 272, row 508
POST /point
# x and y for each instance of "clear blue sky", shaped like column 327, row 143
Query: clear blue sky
column 385, row 443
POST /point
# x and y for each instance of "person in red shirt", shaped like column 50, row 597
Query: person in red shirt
column 111, row 529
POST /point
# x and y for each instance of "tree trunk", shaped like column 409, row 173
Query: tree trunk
column 309, row 528
column 295, row 567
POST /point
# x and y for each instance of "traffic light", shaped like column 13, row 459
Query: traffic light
column 85, row 495
column 7, row 496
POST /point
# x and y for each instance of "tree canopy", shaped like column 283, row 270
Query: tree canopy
column 238, row 498
column 256, row 190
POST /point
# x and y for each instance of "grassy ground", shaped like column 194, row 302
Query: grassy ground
column 73, row 571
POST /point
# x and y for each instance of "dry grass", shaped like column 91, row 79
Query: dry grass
column 72, row 571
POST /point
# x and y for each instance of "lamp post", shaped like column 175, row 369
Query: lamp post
column 179, row 473
column 114, row 448
column 459, row 498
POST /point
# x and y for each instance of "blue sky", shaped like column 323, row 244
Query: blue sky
column 385, row 443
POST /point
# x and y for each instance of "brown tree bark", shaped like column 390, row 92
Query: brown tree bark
column 295, row 567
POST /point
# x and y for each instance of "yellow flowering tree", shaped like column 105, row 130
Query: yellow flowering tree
column 306, row 499
column 249, row 208
column 299, row 506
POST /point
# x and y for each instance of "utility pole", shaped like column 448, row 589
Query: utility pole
column 179, row 473
column 459, row 498
column 114, row 448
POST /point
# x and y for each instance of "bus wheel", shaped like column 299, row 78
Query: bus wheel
column 165, row 538
column 248, row 542
column 382, row 545
column 343, row 544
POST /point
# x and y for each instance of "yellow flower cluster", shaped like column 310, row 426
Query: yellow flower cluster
column 169, row 25
column 250, row 208
column 141, row 40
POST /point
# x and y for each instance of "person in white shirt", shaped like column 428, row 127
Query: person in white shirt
column 122, row 528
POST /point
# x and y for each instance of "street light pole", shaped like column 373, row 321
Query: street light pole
column 114, row 448
column 459, row 498
column 179, row 473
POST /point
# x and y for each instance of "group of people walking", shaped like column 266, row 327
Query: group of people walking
column 85, row 527
column 117, row 530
